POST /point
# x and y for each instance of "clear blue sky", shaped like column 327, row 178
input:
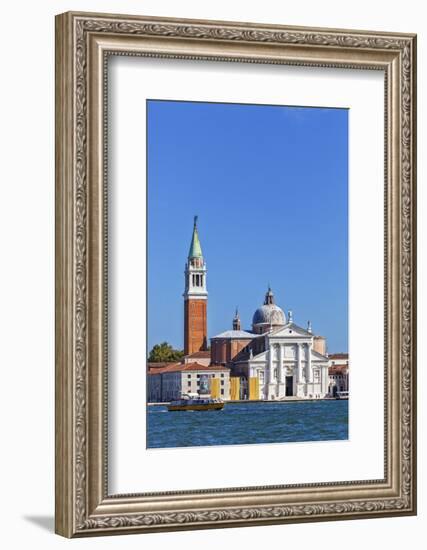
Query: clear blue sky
column 270, row 187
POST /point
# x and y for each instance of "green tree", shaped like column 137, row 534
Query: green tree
column 164, row 352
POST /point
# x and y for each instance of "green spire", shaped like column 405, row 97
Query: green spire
column 195, row 248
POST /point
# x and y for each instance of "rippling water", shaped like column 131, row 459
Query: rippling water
column 243, row 423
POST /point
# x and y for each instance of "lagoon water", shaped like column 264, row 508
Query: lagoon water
column 245, row 423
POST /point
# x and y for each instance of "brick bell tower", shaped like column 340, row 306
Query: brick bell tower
column 195, row 298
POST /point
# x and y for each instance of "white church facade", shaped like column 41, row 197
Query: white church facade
column 277, row 359
column 288, row 367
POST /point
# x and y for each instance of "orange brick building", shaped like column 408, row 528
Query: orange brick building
column 231, row 344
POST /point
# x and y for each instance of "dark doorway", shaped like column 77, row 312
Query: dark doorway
column 289, row 386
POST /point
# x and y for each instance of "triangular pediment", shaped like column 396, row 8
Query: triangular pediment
column 290, row 330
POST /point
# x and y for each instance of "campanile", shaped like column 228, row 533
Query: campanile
column 195, row 297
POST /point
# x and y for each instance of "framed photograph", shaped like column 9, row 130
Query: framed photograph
column 235, row 274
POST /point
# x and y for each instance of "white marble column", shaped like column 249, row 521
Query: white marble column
column 299, row 369
column 309, row 369
column 270, row 365
column 280, row 371
column 326, row 373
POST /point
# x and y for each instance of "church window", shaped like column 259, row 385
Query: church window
column 222, row 382
column 222, row 392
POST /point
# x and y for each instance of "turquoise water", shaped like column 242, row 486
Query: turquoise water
column 245, row 423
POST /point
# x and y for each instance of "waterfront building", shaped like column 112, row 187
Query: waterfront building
column 277, row 359
column 153, row 367
column 173, row 381
column 338, row 373
column 201, row 357
column 161, row 384
column 338, row 359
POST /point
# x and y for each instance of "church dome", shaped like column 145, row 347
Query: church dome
column 269, row 313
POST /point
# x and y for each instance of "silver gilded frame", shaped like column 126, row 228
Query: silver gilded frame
column 84, row 42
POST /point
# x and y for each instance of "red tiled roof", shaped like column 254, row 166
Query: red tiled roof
column 200, row 354
column 338, row 369
column 156, row 366
column 338, row 356
column 188, row 367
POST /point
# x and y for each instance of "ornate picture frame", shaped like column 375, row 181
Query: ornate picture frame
column 84, row 506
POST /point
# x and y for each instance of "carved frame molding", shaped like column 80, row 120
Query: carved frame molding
column 83, row 43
